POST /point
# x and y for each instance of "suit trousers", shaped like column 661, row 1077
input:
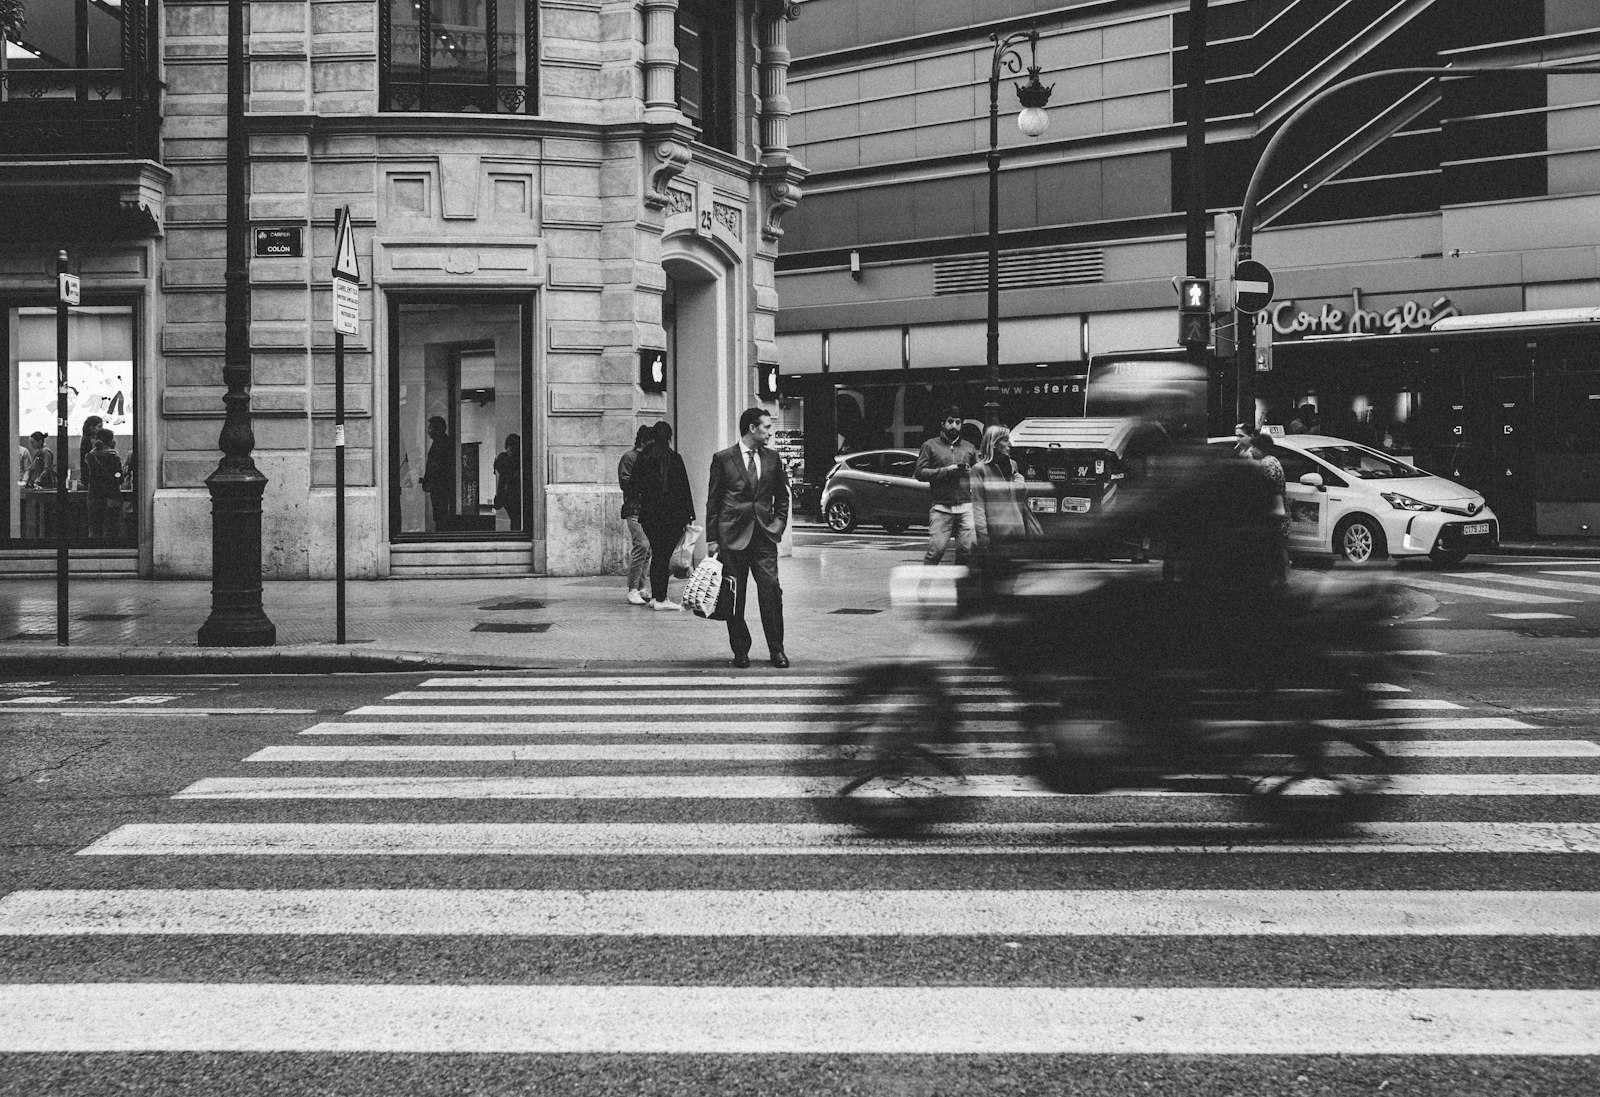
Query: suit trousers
column 757, row 562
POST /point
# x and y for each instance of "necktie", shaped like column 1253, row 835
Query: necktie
column 752, row 467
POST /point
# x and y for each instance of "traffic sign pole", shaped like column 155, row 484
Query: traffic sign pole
column 338, row 485
column 1253, row 288
column 346, row 321
column 66, row 290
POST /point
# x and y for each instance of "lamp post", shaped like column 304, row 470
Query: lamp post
column 237, row 617
column 1032, row 120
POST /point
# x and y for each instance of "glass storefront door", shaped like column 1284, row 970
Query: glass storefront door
column 101, row 498
column 460, row 464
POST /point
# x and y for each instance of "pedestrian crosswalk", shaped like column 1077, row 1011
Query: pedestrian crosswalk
column 1559, row 590
column 658, row 833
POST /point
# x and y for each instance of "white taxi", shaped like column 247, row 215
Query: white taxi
column 1360, row 504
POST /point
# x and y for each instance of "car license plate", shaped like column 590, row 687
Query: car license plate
column 1041, row 505
column 1073, row 505
column 1474, row 529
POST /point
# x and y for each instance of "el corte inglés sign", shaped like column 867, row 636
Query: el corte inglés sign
column 1291, row 323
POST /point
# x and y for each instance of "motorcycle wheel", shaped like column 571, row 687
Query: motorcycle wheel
column 895, row 741
column 1305, row 792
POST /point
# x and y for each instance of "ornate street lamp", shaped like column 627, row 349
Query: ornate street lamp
column 237, row 617
column 1032, row 120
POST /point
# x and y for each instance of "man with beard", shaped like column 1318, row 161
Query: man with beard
column 943, row 465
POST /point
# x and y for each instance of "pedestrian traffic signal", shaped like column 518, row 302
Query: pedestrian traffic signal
column 1194, row 311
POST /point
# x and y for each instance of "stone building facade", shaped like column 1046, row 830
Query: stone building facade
column 566, row 216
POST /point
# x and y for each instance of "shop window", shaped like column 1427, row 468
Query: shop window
column 459, row 420
column 707, row 84
column 101, row 492
column 474, row 56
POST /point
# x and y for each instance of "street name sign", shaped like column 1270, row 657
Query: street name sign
column 1252, row 286
column 70, row 289
column 283, row 243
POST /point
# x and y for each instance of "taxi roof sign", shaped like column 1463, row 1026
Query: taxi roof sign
column 345, row 264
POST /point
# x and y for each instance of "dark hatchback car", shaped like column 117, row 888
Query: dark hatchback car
column 878, row 486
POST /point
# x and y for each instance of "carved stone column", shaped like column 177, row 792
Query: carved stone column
column 660, row 57
column 781, row 173
column 775, row 105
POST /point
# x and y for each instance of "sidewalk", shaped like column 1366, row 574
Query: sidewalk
column 836, row 611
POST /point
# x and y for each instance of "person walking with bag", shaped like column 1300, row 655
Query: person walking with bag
column 747, row 510
column 639, row 544
column 1000, row 513
column 665, row 508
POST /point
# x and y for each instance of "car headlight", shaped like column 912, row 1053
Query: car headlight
column 1405, row 502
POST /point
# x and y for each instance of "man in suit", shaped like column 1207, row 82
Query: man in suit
column 747, row 510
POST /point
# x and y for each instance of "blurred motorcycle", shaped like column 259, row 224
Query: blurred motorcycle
column 1220, row 677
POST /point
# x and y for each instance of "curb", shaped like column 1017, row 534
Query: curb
column 1585, row 548
column 299, row 659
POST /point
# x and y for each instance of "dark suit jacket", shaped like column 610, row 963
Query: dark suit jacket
column 735, row 506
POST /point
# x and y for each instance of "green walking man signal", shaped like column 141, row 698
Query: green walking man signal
column 1194, row 311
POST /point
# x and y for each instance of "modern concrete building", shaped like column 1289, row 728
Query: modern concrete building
column 566, row 218
column 1397, row 203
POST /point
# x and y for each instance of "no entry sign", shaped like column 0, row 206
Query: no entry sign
column 1252, row 286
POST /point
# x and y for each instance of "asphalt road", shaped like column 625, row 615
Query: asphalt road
column 214, row 885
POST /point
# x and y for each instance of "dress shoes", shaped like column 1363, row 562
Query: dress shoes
column 741, row 661
column 779, row 660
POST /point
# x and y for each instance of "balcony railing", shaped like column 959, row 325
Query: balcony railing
column 54, row 112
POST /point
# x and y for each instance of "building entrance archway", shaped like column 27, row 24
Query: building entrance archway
column 700, row 394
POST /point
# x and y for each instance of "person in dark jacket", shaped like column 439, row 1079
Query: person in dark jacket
column 102, row 476
column 508, row 480
column 439, row 474
column 639, row 544
column 91, row 428
column 944, row 465
column 661, row 484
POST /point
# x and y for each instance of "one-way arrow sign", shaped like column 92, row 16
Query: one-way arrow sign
column 345, row 264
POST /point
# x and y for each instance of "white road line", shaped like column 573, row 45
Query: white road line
column 954, row 913
column 121, row 710
column 1396, row 703
column 745, row 710
column 1540, row 584
column 1485, row 592
column 594, row 752
column 1533, row 616
column 751, row 680
column 1384, row 687
column 775, row 728
column 1431, row 723
column 769, row 787
column 793, row 752
column 761, row 1020
column 703, row 697
column 1595, row 575
column 815, row 839
column 1417, row 651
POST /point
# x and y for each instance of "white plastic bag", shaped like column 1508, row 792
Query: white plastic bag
column 709, row 593
column 683, row 555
